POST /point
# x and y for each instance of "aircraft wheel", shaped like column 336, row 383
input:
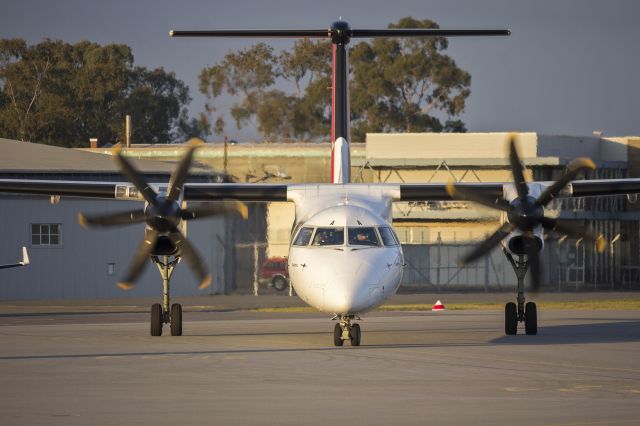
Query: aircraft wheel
column 510, row 318
column 355, row 335
column 156, row 319
column 531, row 318
column 176, row 319
column 337, row 335
column 279, row 283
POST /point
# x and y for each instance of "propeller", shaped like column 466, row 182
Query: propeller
column 525, row 213
column 163, row 214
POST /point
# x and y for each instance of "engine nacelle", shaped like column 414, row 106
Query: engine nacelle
column 516, row 242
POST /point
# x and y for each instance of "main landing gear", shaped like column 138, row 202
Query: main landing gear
column 165, row 314
column 527, row 313
column 346, row 329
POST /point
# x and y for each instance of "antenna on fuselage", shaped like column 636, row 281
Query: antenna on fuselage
column 340, row 34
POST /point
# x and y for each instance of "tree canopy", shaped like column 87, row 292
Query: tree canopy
column 63, row 94
column 396, row 85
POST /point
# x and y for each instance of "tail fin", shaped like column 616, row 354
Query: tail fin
column 341, row 161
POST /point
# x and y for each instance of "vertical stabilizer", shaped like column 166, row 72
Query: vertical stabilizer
column 341, row 161
column 340, row 116
column 340, row 34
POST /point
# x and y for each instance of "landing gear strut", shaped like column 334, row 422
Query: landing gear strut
column 527, row 313
column 166, row 313
column 346, row 329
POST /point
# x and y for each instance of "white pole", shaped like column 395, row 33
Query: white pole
column 127, row 130
column 255, row 268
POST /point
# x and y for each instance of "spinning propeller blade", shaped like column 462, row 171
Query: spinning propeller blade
column 533, row 256
column 517, row 170
column 139, row 260
column 488, row 244
column 192, row 257
column 127, row 169
column 574, row 229
column 573, row 169
column 216, row 209
column 525, row 213
column 465, row 194
column 163, row 216
column 112, row 219
column 179, row 175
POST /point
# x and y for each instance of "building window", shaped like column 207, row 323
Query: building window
column 45, row 234
column 111, row 268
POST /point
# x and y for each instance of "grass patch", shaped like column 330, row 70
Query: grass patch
column 288, row 310
column 587, row 305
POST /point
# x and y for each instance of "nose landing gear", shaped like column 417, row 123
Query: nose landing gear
column 346, row 329
column 166, row 313
column 513, row 314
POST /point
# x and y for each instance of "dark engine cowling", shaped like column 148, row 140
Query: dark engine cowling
column 164, row 247
column 517, row 242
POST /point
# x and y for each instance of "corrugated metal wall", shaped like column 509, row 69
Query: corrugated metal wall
column 435, row 266
column 78, row 267
column 567, row 265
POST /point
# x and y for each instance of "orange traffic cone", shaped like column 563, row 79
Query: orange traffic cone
column 438, row 306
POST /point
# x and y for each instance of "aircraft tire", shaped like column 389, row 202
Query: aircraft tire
column 156, row 319
column 355, row 335
column 531, row 318
column 279, row 283
column 176, row 319
column 510, row 319
column 337, row 335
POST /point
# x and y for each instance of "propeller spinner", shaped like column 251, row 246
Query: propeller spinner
column 162, row 214
column 525, row 213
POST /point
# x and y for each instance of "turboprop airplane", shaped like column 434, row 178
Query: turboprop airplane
column 345, row 259
column 25, row 260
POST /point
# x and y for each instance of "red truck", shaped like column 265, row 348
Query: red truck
column 275, row 273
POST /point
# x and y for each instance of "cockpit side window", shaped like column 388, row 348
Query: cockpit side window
column 363, row 237
column 304, row 236
column 328, row 237
column 388, row 237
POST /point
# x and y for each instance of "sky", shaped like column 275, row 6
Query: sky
column 569, row 67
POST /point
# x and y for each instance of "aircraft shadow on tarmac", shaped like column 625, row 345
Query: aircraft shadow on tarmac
column 611, row 332
column 618, row 331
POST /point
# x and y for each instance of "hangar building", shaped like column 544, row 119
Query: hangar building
column 86, row 263
column 68, row 261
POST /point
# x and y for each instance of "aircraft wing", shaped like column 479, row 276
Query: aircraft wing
column 237, row 191
column 63, row 188
column 25, row 260
column 578, row 188
column 126, row 191
column 278, row 192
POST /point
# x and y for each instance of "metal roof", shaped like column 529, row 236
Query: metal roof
column 25, row 157
column 412, row 163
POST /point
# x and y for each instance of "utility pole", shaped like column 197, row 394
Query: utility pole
column 127, row 130
column 226, row 155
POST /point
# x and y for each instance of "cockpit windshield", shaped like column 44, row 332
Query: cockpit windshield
column 363, row 237
column 388, row 237
column 304, row 236
column 328, row 237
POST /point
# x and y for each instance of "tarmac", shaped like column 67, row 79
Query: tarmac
column 80, row 362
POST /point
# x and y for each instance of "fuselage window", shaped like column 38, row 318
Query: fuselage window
column 329, row 237
column 304, row 236
column 363, row 237
column 388, row 237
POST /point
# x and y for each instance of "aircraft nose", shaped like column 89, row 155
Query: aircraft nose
column 340, row 296
column 343, row 284
column 349, row 294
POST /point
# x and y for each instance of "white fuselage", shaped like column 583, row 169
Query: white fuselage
column 344, row 257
